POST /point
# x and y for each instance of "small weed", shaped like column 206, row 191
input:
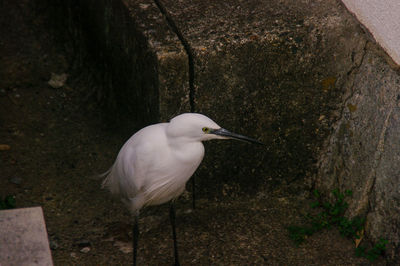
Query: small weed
column 7, row 203
column 298, row 233
column 377, row 250
column 332, row 214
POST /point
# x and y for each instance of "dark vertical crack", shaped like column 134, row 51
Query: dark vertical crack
column 189, row 53
column 188, row 50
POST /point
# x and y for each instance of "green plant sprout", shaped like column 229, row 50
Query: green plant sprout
column 7, row 203
column 377, row 250
column 332, row 214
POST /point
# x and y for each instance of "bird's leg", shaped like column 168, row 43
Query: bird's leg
column 135, row 238
column 172, row 217
column 193, row 192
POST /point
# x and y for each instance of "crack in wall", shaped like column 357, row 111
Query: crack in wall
column 363, row 206
column 339, row 121
column 365, row 199
column 352, row 73
column 352, row 70
column 188, row 50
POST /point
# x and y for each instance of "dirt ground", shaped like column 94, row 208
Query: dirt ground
column 57, row 144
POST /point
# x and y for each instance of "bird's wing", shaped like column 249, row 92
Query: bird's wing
column 121, row 176
column 163, row 189
column 168, row 181
column 130, row 172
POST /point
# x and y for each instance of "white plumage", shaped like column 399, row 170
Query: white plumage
column 154, row 165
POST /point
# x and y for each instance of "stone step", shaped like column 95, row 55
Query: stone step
column 23, row 238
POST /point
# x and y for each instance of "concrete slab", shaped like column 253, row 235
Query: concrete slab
column 382, row 18
column 23, row 238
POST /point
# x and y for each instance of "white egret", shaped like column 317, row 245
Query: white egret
column 154, row 165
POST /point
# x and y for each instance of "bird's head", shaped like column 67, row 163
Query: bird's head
column 198, row 127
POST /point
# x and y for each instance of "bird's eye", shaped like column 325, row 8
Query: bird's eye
column 206, row 129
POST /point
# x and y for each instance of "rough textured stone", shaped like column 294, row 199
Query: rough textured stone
column 120, row 47
column 144, row 58
column 363, row 153
column 171, row 65
column 271, row 70
column 23, row 238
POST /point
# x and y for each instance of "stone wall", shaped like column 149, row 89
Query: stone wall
column 363, row 153
column 277, row 76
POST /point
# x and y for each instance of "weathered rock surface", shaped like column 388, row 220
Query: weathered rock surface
column 363, row 153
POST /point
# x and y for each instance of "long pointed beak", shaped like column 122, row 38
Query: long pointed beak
column 226, row 133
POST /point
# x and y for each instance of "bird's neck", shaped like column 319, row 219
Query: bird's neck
column 187, row 150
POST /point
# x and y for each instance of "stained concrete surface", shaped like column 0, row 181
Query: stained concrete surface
column 23, row 238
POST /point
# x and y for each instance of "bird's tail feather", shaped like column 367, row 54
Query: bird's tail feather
column 99, row 176
column 110, row 181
